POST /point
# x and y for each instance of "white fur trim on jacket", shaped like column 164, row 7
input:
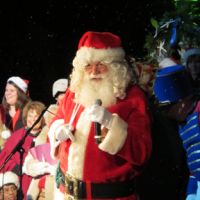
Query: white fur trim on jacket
column 115, row 137
column 86, row 55
column 54, row 144
column 28, row 161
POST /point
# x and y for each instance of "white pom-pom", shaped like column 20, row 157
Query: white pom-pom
column 5, row 134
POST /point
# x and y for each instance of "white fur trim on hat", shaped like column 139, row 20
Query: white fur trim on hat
column 167, row 62
column 9, row 177
column 86, row 55
column 59, row 86
column 20, row 83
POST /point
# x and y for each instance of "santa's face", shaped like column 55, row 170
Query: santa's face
column 96, row 84
column 11, row 94
column 96, row 71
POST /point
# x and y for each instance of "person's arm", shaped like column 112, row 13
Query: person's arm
column 8, row 148
column 128, row 128
column 57, row 121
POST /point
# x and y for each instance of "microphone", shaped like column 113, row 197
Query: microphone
column 97, row 126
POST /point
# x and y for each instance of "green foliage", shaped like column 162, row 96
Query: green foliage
column 186, row 16
column 154, row 23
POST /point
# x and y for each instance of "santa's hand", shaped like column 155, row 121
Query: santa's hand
column 101, row 115
column 64, row 132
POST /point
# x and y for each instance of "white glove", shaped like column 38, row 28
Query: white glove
column 38, row 168
column 64, row 132
column 101, row 115
column 5, row 134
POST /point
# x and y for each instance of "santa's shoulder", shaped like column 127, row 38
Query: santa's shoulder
column 135, row 91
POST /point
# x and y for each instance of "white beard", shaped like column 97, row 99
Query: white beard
column 90, row 91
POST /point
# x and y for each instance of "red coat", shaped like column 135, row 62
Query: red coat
column 125, row 149
column 14, row 163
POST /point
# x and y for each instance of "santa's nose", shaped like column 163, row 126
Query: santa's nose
column 95, row 69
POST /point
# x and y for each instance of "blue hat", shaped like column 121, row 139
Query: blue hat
column 171, row 84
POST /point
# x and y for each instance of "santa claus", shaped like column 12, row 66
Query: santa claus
column 101, row 164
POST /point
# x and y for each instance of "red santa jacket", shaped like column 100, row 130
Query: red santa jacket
column 123, row 152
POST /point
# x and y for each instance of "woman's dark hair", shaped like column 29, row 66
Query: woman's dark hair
column 22, row 99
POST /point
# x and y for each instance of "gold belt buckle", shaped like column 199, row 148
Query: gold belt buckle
column 71, row 184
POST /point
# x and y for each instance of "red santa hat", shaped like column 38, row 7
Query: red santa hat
column 9, row 177
column 97, row 47
column 19, row 82
column 59, row 86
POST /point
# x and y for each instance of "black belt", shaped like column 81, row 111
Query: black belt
column 77, row 189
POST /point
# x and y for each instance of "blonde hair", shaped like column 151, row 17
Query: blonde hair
column 2, row 113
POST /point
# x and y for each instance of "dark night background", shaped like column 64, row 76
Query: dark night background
column 39, row 39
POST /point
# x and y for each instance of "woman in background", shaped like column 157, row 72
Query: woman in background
column 14, row 99
column 43, row 173
column 4, row 131
column 9, row 185
column 31, row 113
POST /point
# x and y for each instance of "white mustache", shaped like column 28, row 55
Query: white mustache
column 92, row 76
